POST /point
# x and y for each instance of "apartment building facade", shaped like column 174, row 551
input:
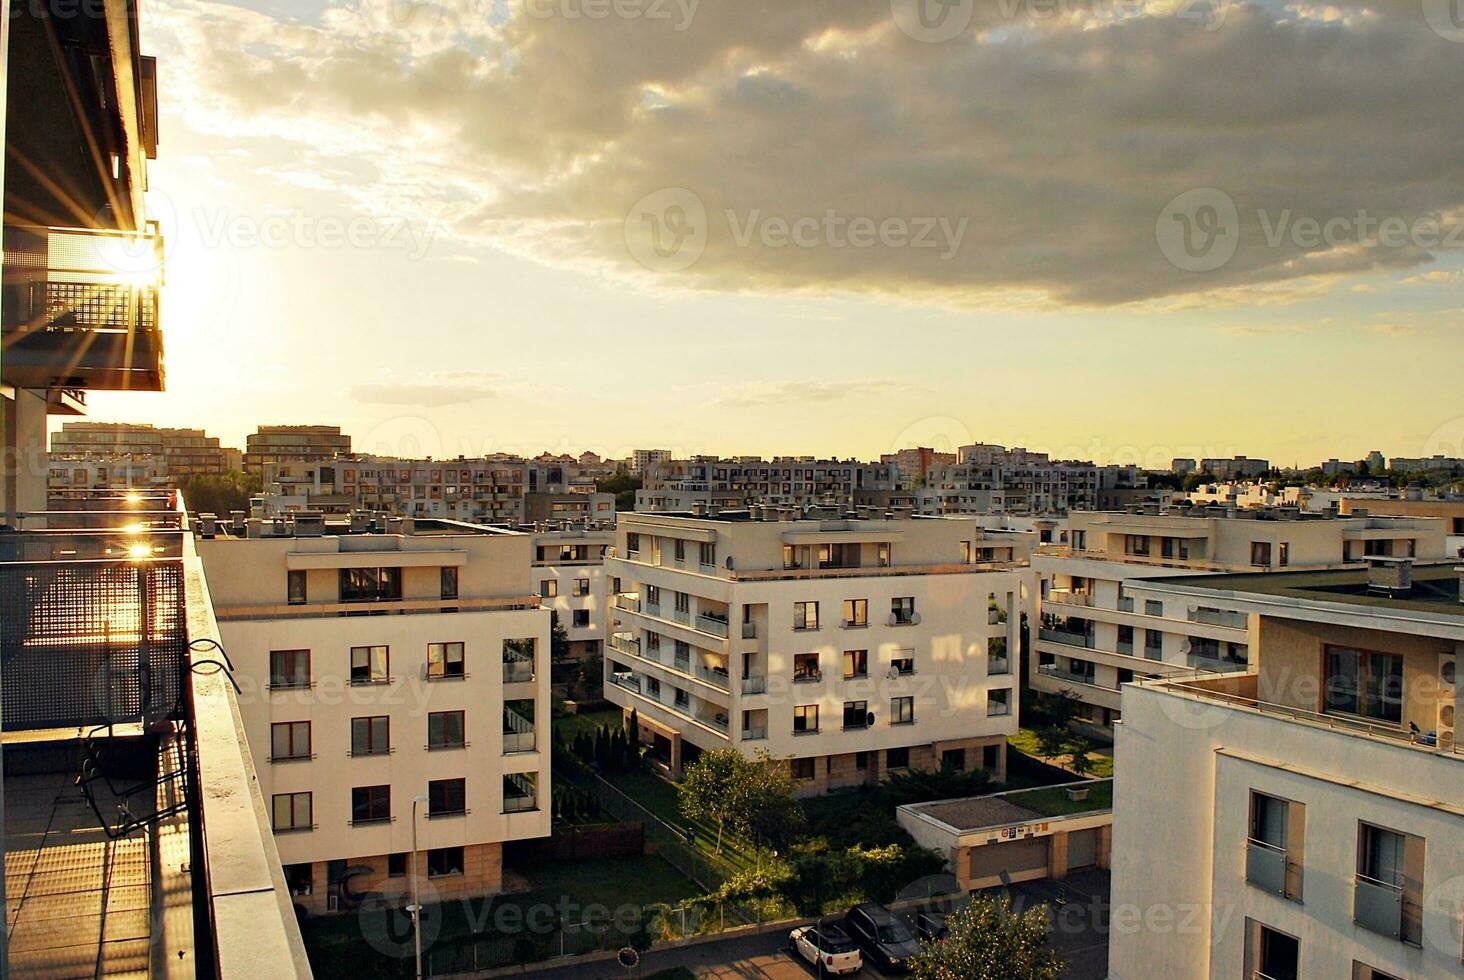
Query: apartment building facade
column 1234, row 468
column 642, row 460
column 396, row 689
column 1304, row 819
column 990, row 479
column 1094, row 636
column 851, row 647
column 180, row 453
column 293, row 443
column 569, row 578
column 784, row 481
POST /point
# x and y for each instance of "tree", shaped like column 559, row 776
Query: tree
column 219, row 494
column 558, row 638
column 1081, row 763
column 718, row 787
column 1051, row 741
column 989, row 941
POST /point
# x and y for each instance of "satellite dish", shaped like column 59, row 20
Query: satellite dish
column 894, row 672
column 869, row 719
column 1185, row 647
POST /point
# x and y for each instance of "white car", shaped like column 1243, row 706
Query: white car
column 827, row 947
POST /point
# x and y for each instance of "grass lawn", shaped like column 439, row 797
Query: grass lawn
column 1026, row 741
column 342, row 945
column 565, row 729
column 1055, row 803
column 659, row 796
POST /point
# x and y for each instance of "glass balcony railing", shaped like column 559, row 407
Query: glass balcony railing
column 1378, row 905
column 714, row 625
column 79, row 308
column 1265, row 866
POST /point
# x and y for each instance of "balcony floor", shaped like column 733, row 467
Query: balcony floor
column 79, row 905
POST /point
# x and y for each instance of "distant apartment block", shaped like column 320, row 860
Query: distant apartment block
column 385, row 663
column 491, row 490
column 991, row 479
column 569, row 578
column 1448, row 510
column 1304, row 818
column 1183, row 465
column 784, row 481
column 293, row 444
column 1427, row 464
column 642, row 460
column 854, row 647
column 1234, row 468
column 1094, row 635
column 687, row 501
column 915, row 464
column 70, row 476
column 119, row 447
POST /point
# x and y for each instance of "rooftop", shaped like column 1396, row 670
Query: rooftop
column 1019, row 806
column 1436, row 587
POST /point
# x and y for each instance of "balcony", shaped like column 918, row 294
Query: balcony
column 749, row 631
column 518, row 670
column 1378, row 905
column 904, row 619
column 1057, row 673
column 1220, row 617
column 518, row 794
column 1265, row 866
column 715, row 625
column 757, row 684
column 518, row 733
column 715, row 676
column 1066, row 637
column 125, row 741
column 626, row 680
column 626, row 644
column 79, row 309
column 629, row 601
column 755, row 734
column 1067, row 597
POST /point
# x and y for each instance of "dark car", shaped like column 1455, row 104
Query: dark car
column 886, row 940
column 929, row 926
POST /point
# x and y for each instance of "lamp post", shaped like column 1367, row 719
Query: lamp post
column 415, row 909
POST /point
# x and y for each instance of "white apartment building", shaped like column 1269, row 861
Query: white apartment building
column 569, row 578
column 643, row 459
column 377, row 668
column 1094, row 635
column 990, row 479
column 1303, row 820
column 785, row 481
column 853, row 647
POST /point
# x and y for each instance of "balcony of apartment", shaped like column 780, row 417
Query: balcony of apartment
column 518, row 731
column 1219, row 617
column 1069, row 597
column 79, row 308
column 629, row 601
column 1066, row 636
column 122, row 745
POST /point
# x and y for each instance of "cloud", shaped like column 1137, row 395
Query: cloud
column 1391, row 329
column 1058, row 139
column 433, row 391
column 761, row 394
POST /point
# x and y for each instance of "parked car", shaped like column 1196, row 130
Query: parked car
column 886, row 940
column 827, row 947
column 929, row 926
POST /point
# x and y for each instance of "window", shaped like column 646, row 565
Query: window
column 1274, row 860
column 953, row 760
column 369, row 665
column 581, row 587
column 805, row 667
column 902, row 711
column 802, row 768
column 1364, row 683
column 1153, row 607
column 296, row 587
column 580, row 618
column 396, row 865
column 1153, row 644
column 856, row 664
column 1361, row 971
column 998, row 703
column 856, row 612
column 653, row 641
column 444, row 660
column 707, row 554
column 903, row 662
column 856, row 714
column 653, row 599
column 549, row 588
column 1270, row 954
column 632, row 544
column 1138, row 544
column 805, row 719
column 371, row 736
column 370, row 584
column 445, row 730
column 289, row 740
column 443, row 861
column 289, row 668
column 680, row 550
column 449, row 582
column 790, row 556
column 965, row 552
column 653, row 687
column 861, row 761
column 882, row 557
column 370, row 804
column 997, row 661
column 1261, row 553
column 902, row 611
column 518, row 661
column 897, row 758
column 300, row 878
column 805, row 615
column 1389, row 892
column 1283, row 557
column 447, row 796
column 1126, row 639
column 290, row 811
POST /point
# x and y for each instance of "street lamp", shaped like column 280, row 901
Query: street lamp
column 415, row 909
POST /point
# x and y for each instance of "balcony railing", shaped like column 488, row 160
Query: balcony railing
column 715, row 677
column 755, row 685
column 626, row 644
column 629, row 601
column 749, row 631
column 712, row 625
column 1067, row 637
column 998, row 665
column 518, row 671
column 1219, row 617
column 754, row 734
column 1265, row 866
column 1057, row 673
column 518, row 795
column 1378, row 905
column 79, row 309
column 626, row 680
column 518, row 733
column 1067, row 597
column 718, row 722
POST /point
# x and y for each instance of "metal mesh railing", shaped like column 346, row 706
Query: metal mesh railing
column 91, row 642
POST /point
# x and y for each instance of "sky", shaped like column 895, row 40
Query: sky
column 1124, row 230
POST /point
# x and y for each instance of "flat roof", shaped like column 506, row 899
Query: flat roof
column 1435, row 587
column 1019, row 806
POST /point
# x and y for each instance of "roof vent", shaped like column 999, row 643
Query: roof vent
column 1391, row 577
column 309, row 524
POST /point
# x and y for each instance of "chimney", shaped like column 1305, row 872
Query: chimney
column 1392, row 577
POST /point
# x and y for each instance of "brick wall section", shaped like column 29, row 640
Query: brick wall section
column 482, row 875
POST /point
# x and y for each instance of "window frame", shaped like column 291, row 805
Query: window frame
column 376, row 798
column 370, row 676
column 445, row 663
column 802, row 714
column 291, row 685
column 440, row 743
column 291, row 729
column 902, row 710
column 370, row 729
column 294, row 798
column 454, row 790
